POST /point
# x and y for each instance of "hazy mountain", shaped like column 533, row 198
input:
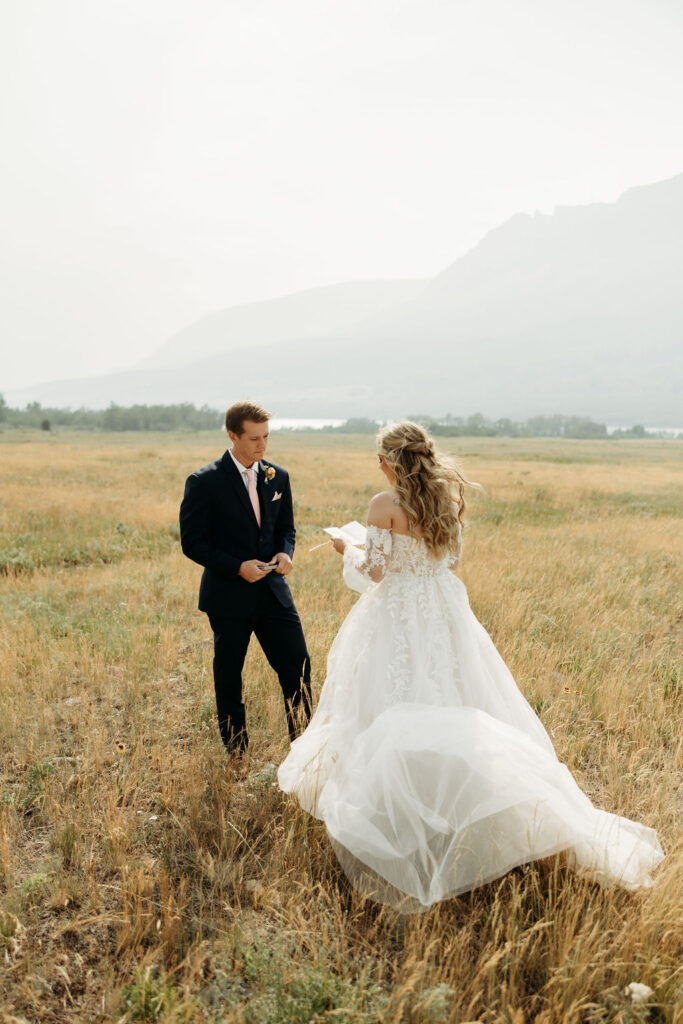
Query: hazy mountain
column 306, row 314
column 577, row 312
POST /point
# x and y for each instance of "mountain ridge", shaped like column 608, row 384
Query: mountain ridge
column 578, row 311
column 299, row 314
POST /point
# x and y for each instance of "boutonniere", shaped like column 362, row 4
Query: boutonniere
column 268, row 474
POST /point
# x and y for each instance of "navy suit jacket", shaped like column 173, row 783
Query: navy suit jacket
column 218, row 530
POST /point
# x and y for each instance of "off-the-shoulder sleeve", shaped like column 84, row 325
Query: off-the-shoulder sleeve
column 364, row 568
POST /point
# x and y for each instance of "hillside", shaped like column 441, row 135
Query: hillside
column 580, row 311
column 306, row 314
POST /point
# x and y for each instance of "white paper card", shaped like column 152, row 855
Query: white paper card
column 353, row 533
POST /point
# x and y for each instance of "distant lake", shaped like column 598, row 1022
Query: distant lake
column 293, row 424
column 317, row 424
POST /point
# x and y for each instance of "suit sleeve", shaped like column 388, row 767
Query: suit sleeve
column 284, row 534
column 195, row 537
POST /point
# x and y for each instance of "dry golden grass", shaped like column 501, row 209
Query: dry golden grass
column 140, row 881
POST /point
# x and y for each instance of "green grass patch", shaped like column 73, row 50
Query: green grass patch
column 650, row 504
column 71, row 542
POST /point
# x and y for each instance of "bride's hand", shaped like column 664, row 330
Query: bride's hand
column 339, row 545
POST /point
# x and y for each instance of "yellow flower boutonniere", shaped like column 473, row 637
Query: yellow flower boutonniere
column 268, row 475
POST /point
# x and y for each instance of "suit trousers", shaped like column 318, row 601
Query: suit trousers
column 278, row 631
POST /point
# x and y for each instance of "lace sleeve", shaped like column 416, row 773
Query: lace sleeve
column 363, row 568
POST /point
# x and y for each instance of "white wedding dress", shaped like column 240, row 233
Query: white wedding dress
column 430, row 770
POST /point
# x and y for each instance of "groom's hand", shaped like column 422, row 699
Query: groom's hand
column 284, row 563
column 253, row 570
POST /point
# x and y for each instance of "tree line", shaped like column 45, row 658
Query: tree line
column 186, row 416
column 479, row 425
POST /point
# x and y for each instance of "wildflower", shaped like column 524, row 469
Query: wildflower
column 121, row 747
column 639, row 993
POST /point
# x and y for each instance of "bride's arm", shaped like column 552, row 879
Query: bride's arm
column 363, row 568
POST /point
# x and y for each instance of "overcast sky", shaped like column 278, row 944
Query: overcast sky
column 162, row 159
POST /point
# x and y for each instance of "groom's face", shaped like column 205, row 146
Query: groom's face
column 250, row 445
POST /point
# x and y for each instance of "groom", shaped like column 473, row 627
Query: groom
column 236, row 520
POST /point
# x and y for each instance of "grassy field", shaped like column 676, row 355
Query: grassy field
column 140, row 881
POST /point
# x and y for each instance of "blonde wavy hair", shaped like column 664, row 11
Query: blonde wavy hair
column 429, row 486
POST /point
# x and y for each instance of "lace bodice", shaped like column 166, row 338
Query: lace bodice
column 391, row 554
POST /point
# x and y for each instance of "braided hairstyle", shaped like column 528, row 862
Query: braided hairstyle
column 429, row 486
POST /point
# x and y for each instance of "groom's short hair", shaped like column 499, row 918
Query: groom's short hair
column 241, row 411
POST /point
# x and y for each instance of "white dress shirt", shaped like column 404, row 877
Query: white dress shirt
column 243, row 469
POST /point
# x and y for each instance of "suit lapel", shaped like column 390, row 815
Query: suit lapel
column 237, row 481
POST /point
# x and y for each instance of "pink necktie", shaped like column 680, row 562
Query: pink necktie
column 253, row 494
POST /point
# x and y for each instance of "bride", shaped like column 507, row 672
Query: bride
column 430, row 770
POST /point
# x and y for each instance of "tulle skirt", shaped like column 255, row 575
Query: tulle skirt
column 428, row 767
